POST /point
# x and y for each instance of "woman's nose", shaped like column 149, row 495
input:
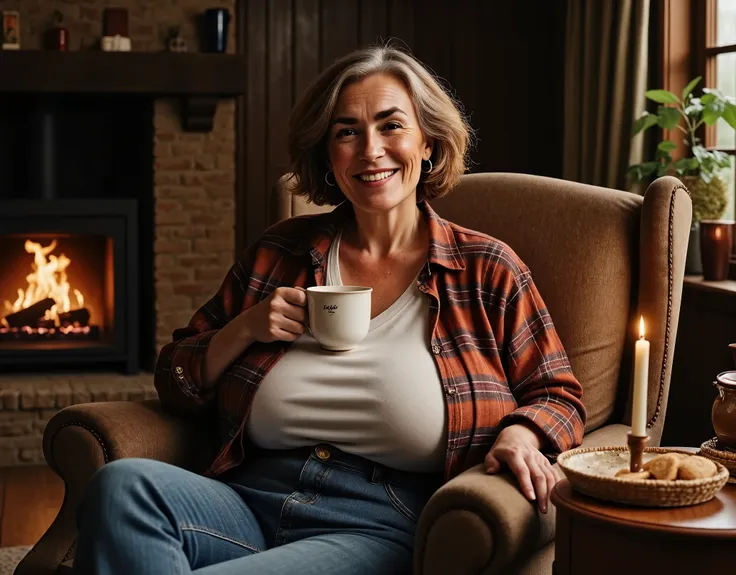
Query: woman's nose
column 372, row 148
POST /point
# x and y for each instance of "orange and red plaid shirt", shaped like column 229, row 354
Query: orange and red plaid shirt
column 499, row 357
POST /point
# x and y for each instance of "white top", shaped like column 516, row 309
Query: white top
column 383, row 400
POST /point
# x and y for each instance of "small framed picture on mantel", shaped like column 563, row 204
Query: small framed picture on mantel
column 11, row 30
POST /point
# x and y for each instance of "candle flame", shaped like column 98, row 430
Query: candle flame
column 718, row 233
column 641, row 327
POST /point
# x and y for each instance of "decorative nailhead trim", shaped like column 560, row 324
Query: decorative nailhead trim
column 670, row 287
column 93, row 432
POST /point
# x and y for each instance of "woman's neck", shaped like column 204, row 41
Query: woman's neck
column 379, row 235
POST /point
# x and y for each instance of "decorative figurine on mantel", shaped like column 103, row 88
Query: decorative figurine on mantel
column 11, row 30
column 115, row 26
column 57, row 37
column 175, row 41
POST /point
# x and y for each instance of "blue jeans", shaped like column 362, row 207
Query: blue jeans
column 307, row 511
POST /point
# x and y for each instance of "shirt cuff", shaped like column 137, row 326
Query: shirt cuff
column 563, row 429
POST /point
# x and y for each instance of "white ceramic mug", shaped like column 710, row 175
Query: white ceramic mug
column 339, row 316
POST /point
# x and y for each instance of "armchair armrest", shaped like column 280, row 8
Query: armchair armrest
column 479, row 523
column 82, row 438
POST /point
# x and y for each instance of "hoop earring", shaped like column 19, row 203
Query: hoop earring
column 430, row 167
column 328, row 182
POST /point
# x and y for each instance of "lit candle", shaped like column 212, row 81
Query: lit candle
column 641, row 379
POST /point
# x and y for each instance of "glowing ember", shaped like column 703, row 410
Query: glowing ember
column 48, row 280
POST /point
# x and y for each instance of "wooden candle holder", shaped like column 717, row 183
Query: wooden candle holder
column 636, row 448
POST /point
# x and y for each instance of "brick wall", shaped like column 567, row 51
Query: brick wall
column 194, row 209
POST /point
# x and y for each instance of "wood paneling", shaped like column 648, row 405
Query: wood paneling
column 505, row 68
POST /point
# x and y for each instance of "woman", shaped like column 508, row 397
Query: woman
column 328, row 458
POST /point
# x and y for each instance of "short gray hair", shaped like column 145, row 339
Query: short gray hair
column 439, row 115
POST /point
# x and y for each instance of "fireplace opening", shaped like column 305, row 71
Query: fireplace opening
column 56, row 290
column 76, row 175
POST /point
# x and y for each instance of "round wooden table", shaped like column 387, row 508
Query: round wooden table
column 595, row 536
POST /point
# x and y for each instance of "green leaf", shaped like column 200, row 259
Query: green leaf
column 648, row 168
column 713, row 110
column 662, row 96
column 667, row 118
column 662, row 170
column 644, row 122
column 689, row 87
column 667, row 146
column 685, row 164
column 708, row 97
column 729, row 114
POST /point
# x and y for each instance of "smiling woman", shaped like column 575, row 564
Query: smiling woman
column 328, row 457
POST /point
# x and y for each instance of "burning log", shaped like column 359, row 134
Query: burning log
column 75, row 317
column 31, row 315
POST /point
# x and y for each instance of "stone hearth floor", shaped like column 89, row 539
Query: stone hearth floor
column 28, row 401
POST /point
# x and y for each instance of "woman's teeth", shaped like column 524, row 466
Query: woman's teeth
column 376, row 177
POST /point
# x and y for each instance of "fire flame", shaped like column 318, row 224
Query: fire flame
column 48, row 280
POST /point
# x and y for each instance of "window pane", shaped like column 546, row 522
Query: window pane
column 726, row 64
column 729, row 175
column 726, row 20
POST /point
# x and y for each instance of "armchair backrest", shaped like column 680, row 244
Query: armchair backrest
column 600, row 258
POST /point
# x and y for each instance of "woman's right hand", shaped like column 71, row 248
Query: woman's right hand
column 282, row 316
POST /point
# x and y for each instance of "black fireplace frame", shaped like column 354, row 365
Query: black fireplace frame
column 112, row 217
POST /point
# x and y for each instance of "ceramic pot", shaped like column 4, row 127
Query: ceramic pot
column 723, row 414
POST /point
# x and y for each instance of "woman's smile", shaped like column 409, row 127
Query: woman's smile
column 376, row 178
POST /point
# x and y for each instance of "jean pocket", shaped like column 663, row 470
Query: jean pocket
column 406, row 502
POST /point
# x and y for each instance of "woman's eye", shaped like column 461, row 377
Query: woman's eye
column 345, row 132
column 392, row 126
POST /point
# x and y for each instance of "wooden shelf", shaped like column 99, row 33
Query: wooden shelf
column 156, row 73
column 698, row 283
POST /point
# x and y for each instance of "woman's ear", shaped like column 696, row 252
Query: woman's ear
column 428, row 149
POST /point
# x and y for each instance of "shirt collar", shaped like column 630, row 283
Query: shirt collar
column 443, row 248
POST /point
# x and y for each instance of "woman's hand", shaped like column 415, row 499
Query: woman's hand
column 518, row 447
column 282, row 316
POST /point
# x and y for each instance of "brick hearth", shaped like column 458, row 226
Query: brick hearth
column 194, row 178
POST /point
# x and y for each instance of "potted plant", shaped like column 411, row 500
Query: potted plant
column 701, row 170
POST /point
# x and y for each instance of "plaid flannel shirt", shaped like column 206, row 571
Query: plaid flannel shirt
column 499, row 357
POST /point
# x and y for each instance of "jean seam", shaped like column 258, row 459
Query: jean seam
column 217, row 534
column 346, row 467
column 398, row 505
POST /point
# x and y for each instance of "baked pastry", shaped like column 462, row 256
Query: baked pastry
column 664, row 466
column 626, row 474
column 696, row 467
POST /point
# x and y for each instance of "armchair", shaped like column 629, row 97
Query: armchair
column 600, row 258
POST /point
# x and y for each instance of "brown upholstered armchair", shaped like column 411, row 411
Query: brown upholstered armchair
column 600, row 258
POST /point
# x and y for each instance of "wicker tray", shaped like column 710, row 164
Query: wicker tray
column 591, row 471
column 713, row 451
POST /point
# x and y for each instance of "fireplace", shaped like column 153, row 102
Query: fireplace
column 69, row 283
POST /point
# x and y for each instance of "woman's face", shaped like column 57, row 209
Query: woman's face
column 375, row 147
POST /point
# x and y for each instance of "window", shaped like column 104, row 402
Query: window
column 718, row 68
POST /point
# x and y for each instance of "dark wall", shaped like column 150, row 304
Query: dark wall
column 503, row 60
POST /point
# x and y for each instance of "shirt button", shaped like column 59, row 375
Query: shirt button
column 322, row 453
column 179, row 369
column 436, row 349
column 451, row 391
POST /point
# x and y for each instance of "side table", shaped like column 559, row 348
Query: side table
column 595, row 536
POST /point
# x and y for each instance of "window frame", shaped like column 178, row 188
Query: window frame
column 705, row 52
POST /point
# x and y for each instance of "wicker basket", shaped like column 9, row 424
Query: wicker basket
column 591, row 471
column 712, row 450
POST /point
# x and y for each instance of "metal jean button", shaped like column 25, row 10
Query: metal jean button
column 322, row 453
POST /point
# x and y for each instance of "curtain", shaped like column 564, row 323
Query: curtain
column 606, row 56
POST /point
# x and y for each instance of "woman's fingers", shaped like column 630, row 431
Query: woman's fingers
column 539, row 480
column 520, row 468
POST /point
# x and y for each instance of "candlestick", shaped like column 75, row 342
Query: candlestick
column 637, row 445
column 641, row 380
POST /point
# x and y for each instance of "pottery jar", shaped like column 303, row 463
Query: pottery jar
column 724, row 409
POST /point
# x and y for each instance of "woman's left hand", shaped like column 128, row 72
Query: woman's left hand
column 518, row 447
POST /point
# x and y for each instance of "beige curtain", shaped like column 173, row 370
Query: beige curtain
column 605, row 80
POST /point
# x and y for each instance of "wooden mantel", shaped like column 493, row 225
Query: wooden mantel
column 200, row 79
